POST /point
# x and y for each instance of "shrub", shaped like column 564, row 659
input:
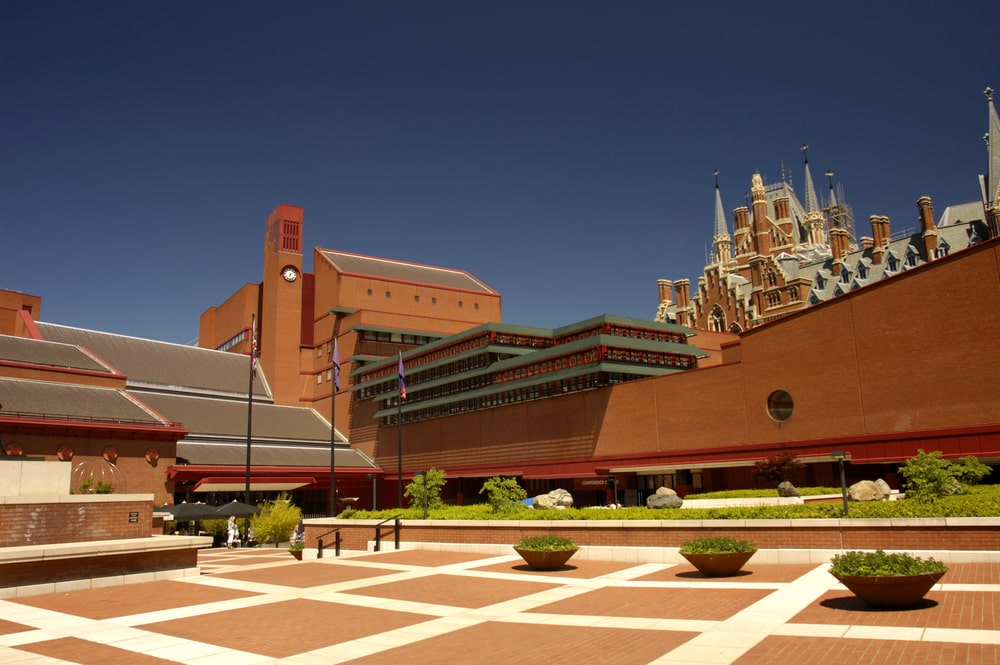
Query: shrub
column 296, row 546
column 717, row 545
column 504, row 494
column 929, row 476
column 880, row 564
column 276, row 520
column 415, row 489
column 546, row 544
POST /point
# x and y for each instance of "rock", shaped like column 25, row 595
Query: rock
column 865, row 490
column 665, row 490
column 664, row 500
column 785, row 488
column 557, row 499
column 884, row 486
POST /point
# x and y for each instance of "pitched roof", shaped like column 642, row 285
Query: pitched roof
column 73, row 402
column 49, row 354
column 401, row 271
column 162, row 365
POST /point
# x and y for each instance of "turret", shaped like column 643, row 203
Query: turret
column 928, row 231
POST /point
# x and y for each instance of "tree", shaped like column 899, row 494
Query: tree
column 777, row 468
column 276, row 520
column 435, row 483
column 503, row 494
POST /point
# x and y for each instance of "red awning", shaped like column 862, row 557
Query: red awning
column 257, row 483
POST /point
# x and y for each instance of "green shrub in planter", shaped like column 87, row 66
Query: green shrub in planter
column 296, row 546
column 546, row 544
column 881, row 564
column 717, row 545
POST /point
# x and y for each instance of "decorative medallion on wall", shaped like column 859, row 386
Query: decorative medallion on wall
column 65, row 453
column 15, row 450
column 110, row 454
column 152, row 456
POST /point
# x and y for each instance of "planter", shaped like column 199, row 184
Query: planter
column 718, row 564
column 296, row 553
column 545, row 559
column 895, row 591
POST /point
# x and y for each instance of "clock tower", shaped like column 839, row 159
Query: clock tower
column 280, row 329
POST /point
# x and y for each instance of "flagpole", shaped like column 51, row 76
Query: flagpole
column 253, row 375
column 335, row 357
column 399, row 432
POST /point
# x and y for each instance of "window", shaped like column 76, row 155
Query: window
column 461, row 304
column 388, row 294
column 434, row 301
column 780, row 405
column 369, row 291
column 416, row 298
column 862, row 271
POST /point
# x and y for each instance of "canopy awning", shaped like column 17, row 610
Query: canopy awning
column 257, row 484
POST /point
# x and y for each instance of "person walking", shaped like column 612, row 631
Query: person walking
column 232, row 533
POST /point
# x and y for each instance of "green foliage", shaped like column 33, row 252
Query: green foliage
column 717, row 545
column 759, row 493
column 546, row 544
column 929, row 476
column 296, row 546
column 88, row 487
column 276, row 520
column 980, row 501
column 414, row 490
column 504, row 494
column 776, row 468
column 880, row 564
column 214, row 527
column 969, row 470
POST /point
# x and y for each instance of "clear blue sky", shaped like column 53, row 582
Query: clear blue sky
column 560, row 151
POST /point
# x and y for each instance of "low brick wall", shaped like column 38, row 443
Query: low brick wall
column 31, row 520
column 54, row 571
column 973, row 534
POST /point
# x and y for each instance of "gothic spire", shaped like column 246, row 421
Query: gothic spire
column 720, row 217
column 812, row 202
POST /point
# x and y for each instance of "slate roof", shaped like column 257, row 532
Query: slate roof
column 400, row 271
column 162, row 365
column 49, row 354
column 63, row 401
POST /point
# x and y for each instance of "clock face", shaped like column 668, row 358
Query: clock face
column 290, row 274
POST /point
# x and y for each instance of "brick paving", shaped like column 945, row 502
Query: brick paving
column 261, row 606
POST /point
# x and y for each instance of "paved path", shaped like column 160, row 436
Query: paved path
column 261, row 606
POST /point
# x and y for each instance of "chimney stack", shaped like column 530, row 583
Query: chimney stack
column 928, row 230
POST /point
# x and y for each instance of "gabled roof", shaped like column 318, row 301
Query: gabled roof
column 211, row 417
column 49, row 354
column 401, row 271
column 63, row 401
column 162, row 365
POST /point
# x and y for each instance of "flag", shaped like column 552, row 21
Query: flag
column 253, row 351
column 402, row 379
column 336, row 366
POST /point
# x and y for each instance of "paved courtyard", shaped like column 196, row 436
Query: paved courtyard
column 419, row 606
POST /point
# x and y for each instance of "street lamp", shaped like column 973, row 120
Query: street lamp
column 338, row 313
column 372, row 477
column 840, row 455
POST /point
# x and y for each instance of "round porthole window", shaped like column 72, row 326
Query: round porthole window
column 779, row 405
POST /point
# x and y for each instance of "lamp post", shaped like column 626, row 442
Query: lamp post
column 372, row 477
column 840, row 455
column 425, row 495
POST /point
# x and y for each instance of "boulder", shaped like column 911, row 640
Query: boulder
column 865, row 490
column 557, row 499
column 884, row 486
column 785, row 488
column 666, row 490
column 664, row 500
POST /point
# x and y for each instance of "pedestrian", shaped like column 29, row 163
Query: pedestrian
column 232, row 533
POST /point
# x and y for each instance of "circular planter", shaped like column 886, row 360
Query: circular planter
column 896, row 591
column 545, row 560
column 719, row 564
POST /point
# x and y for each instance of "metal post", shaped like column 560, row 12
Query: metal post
column 839, row 455
column 425, row 495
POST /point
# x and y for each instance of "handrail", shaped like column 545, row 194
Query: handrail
column 378, row 532
column 336, row 542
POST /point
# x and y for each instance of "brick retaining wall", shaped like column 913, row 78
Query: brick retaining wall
column 975, row 534
column 74, row 518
